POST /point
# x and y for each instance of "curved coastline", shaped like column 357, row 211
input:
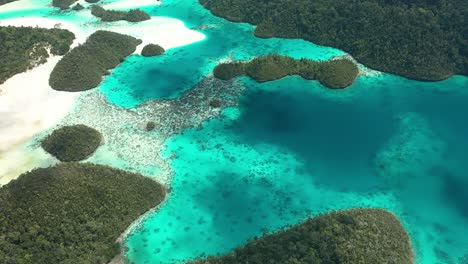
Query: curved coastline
column 18, row 136
column 26, row 150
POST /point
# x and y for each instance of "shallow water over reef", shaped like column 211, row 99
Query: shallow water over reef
column 294, row 149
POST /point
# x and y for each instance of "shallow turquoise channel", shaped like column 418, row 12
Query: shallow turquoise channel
column 293, row 149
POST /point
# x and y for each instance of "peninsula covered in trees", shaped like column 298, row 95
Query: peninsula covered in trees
column 71, row 213
column 336, row 74
column 421, row 39
column 72, row 143
column 134, row 15
column 366, row 236
column 83, row 67
column 23, row 48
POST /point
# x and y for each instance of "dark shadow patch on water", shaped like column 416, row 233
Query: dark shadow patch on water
column 455, row 192
column 345, row 136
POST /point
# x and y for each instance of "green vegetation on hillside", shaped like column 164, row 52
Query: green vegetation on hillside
column 336, row 74
column 78, row 7
column 63, row 4
column 83, row 67
column 152, row 50
column 23, row 48
column 2, row 2
column 72, row 143
column 366, row 236
column 134, row 15
column 419, row 39
column 71, row 213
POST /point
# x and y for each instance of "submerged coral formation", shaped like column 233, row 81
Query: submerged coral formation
column 126, row 129
column 415, row 149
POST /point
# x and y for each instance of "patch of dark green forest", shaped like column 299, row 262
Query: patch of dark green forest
column 63, row 4
column 78, row 7
column 420, row 39
column 72, row 143
column 152, row 50
column 134, row 15
column 2, row 2
column 335, row 74
column 366, row 236
column 23, row 48
column 71, row 213
column 83, row 67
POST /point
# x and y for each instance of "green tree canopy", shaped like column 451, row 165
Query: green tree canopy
column 83, row 67
column 72, row 143
column 152, row 50
column 23, row 48
column 366, row 236
column 71, row 213
column 422, row 39
column 336, row 74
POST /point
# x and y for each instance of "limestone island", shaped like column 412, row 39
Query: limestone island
column 33, row 50
column 431, row 46
column 366, row 236
column 152, row 50
column 71, row 213
column 84, row 66
column 78, row 7
column 63, row 4
column 335, row 74
column 134, row 15
column 72, row 143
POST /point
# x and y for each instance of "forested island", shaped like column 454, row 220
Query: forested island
column 418, row 39
column 71, row 213
column 366, row 236
column 152, row 50
column 78, row 7
column 63, row 4
column 23, row 48
column 83, row 67
column 335, row 74
column 134, row 15
column 72, row 143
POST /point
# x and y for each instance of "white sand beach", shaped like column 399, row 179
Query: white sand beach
column 130, row 4
column 29, row 106
column 24, row 5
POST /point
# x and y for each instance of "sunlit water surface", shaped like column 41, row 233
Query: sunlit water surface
column 294, row 149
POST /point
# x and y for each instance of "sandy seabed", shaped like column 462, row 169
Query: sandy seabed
column 28, row 105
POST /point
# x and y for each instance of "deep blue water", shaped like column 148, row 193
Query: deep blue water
column 294, row 149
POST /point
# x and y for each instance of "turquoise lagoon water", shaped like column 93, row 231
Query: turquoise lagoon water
column 140, row 79
column 294, row 149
